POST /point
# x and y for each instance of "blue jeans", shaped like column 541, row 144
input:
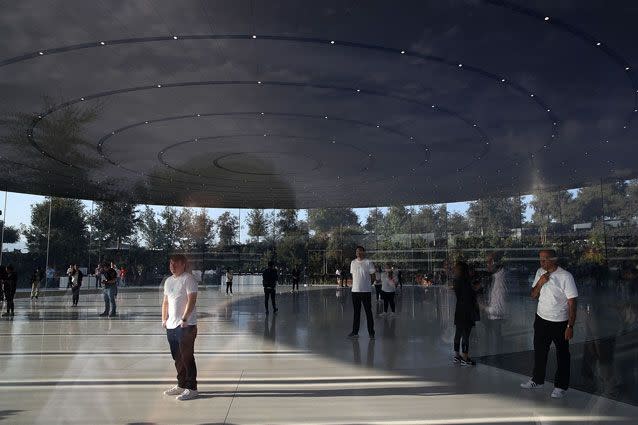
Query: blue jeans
column 109, row 292
column 182, row 343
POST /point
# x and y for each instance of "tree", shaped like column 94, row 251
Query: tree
column 375, row 221
column 114, row 221
column 551, row 207
column 172, row 229
column 324, row 220
column 397, row 220
column 150, row 228
column 257, row 224
column 227, row 227
column 68, row 241
column 11, row 234
column 286, row 222
column 495, row 216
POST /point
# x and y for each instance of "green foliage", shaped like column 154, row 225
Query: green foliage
column 325, row 220
column 11, row 234
column 257, row 224
column 114, row 222
column 228, row 228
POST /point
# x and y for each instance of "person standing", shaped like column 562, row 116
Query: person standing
column 556, row 292
column 269, row 279
column 76, row 283
column 338, row 276
column 362, row 271
column 466, row 313
column 10, row 285
column 296, row 276
column 179, row 318
column 50, row 273
column 229, row 281
column 36, row 278
column 98, row 276
column 388, row 289
column 110, row 291
column 378, row 284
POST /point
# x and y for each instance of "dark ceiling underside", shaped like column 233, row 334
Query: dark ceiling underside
column 308, row 104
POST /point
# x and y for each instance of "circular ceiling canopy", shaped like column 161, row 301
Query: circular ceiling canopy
column 291, row 104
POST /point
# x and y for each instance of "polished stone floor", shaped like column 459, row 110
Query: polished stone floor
column 65, row 365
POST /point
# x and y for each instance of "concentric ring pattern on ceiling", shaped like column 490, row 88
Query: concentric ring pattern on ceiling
column 307, row 104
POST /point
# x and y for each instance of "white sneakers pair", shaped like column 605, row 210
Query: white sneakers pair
column 181, row 393
column 531, row 385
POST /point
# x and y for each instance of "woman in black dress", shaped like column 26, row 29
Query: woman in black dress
column 466, row 313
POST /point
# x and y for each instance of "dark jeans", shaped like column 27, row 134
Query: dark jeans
column 9, row 293
column 295, row 283
column 182, row 343
column 109, row 291
column 388, row 298
column 377, row 289
column 462, row 338
column 229, row 286
column 270, row 292
column 76, row 295
column 364, row 298
column 546, row 332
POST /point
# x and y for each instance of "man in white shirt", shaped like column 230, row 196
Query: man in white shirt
column 179, row 317
column 362, row 271
column 555, row 289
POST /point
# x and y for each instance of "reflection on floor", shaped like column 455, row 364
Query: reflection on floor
column 62, row 364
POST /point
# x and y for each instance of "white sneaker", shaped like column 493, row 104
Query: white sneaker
column 176, row 390
column 531, row 385
column 559, row 393
column 187, row 395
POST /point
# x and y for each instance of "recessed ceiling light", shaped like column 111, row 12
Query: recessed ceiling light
column 598, row 43
column 145, row 122
column 547, row 18
column 434, row 106
column 377, row 125
column 262, row 113
column 627, row 69
column 548, row 110
column 102, row 43
column 159, row 85
column 199, row 115
column 40, row 53
column 460, row 65
column 258, row 82
column 403, row 52
column 531, row 95
column 254, row 36
column 332, row 42
column 82, row 98
column 326, row 117
column 358, row 90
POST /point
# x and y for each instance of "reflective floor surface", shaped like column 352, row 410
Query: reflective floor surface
column 64, row 365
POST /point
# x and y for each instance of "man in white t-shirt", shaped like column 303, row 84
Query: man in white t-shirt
column 179, row 317
column 555, row 289
column 362, row 271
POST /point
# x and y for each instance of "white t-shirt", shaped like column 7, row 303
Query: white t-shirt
column 361, row 271
column 388, row 285
column 552, row 303
column 176, row 290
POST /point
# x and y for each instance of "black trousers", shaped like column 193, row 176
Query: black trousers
column 377, row 289
column 364, row 298
column 388, row 298
column 270, row 292
column 295, row 283
column 9, row 293
column 229, row 286
column 76, row 296
column 462, row 338
column 182, row 343
column 546, row 332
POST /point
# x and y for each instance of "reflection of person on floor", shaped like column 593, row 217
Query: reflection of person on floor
column 356, row 352
column 179, row 318
column 556, row 292
column 495, row 308
column 269, row 281
column 9, row 280
column 362, row 271
column 599, row 355
column 465, row 314
column 270, row 328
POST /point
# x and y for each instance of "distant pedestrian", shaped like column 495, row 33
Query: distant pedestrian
column 229, row 281
column 50, row 273
column 109, row 291
column 10, row 285
column 466, row 313
column 388, row 289
column 76, row 283
column 269, row 279
column 296, row 277
column 36, row 279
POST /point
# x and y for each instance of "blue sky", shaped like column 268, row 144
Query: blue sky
column 18, row 213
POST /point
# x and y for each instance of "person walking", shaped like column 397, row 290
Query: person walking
column 556, row 292
column 362, row 271
column 36, row 279
column 76, row 283
column 110, row 291
column 10, row 285
column 229, row 281
column 388, row 289
column 269, row 280
column 179, row 318
column 465, row 315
